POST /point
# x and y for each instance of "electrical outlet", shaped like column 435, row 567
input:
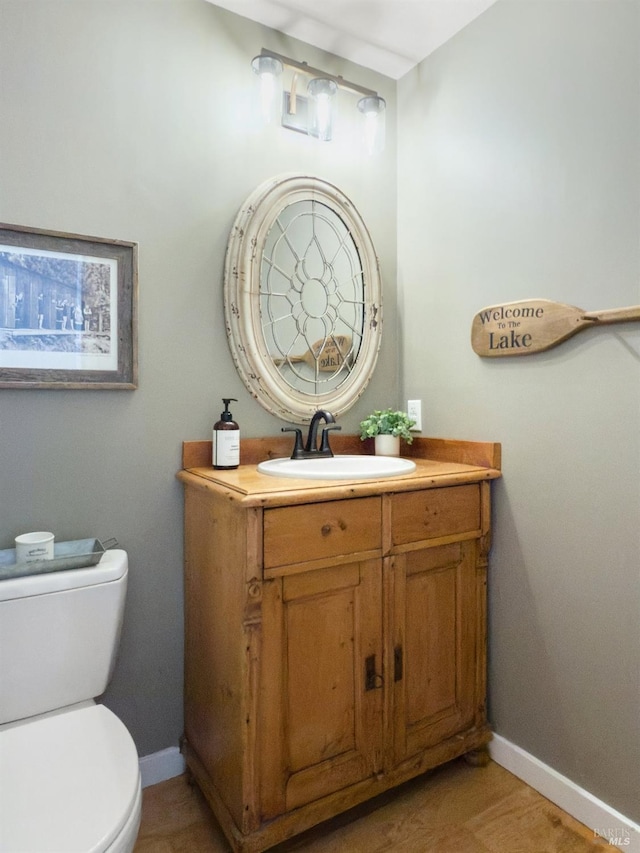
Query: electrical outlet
column 414, row 410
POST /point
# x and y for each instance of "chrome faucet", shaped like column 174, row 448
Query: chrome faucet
column 311, row 450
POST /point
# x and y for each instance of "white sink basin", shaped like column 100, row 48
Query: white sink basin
column 338, row 467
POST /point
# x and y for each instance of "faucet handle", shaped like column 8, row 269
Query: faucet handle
column 297, row 447
column 324, row 446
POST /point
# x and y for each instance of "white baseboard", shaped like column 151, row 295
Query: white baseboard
column 161, row 766
column 580, row 804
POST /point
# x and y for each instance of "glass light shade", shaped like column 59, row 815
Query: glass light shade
column 373, row 109
column 321, row 91
column 268, row 69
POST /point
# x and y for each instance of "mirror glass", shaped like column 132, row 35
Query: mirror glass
column 302, row 298
column 312, row 297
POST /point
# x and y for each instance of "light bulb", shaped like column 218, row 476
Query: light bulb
column 373, row 110
column 268, row 69
column 321, row 91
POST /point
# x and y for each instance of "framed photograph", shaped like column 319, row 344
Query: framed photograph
column 68, row 310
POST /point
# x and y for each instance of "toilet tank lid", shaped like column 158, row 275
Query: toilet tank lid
column 112, row 566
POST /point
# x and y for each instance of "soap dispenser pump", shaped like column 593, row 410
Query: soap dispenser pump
column 226, row 439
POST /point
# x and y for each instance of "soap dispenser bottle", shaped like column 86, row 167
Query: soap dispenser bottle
column 226, row 439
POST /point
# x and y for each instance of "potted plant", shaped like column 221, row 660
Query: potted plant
column 387, row 427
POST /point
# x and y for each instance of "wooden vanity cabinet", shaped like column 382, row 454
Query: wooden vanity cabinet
column 333, row 647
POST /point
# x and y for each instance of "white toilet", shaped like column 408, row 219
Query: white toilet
column 69, row 773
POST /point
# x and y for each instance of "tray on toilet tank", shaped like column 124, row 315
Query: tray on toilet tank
column 76, row 554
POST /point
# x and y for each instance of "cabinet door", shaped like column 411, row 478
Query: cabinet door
column 321, row 697
column 435, row 645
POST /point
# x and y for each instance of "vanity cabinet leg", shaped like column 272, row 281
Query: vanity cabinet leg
column 477, row 757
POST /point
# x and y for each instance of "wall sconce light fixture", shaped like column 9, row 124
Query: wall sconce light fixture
column 268, row 69
column 321, row 91
column 373, row 108
column 313, row 115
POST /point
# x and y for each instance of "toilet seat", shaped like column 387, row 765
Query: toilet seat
column 69, row 783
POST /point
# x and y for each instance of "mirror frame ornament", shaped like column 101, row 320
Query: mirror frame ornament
column 243, row 264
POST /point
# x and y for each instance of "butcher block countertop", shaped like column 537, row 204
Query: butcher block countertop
column 439, row 462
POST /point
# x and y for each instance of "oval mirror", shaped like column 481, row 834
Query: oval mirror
column 302, row 298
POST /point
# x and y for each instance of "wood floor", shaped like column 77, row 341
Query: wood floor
column 454, row 809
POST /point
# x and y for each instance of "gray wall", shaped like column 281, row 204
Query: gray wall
column 132, row 120
column 519, row 177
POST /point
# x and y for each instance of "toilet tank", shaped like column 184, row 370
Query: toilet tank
column 59, row 634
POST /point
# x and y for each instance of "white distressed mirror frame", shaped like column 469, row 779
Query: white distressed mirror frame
column 243, row 265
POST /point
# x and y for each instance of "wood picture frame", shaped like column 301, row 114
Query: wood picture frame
column 68, row 310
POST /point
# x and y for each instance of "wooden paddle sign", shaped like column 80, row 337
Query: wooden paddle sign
column 535, row 325
column 326, row 355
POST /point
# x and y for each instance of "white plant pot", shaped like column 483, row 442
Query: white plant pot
column 387, row 445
